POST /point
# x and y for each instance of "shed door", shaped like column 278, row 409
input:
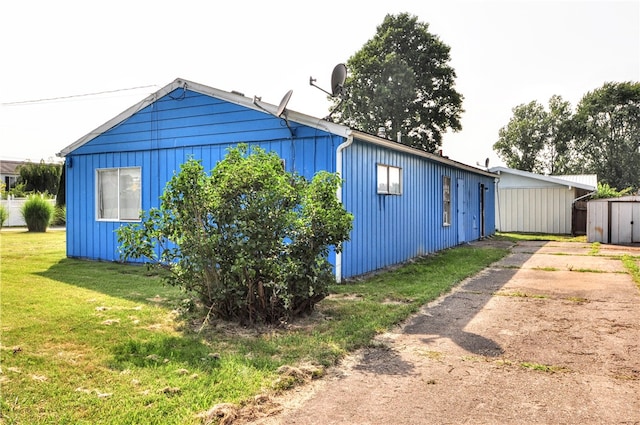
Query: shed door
column 460, row 206
column 625, row 222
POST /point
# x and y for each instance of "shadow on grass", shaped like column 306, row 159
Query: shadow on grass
column 128, row 281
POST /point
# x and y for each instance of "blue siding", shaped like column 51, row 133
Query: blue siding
column 390, row 229
column 163, row 136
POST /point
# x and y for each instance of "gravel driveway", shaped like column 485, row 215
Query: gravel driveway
column 550, row 334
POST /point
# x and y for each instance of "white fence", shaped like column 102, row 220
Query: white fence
column 13, row 207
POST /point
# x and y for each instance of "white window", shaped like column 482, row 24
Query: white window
column 118, row 194
column 389, row 180
column 446, row 200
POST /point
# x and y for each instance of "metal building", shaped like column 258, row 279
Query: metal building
column 614, row 220
column 406, row 202
column 534, row 203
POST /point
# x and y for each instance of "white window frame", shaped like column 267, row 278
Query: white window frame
column 387, row 175
column 446, row 200
column 119, row 209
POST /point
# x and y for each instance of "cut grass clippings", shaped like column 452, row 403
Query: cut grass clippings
column 101, row 343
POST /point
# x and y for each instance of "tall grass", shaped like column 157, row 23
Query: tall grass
column 102, row 343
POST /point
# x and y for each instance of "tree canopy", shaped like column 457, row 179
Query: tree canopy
column 602, row 137
column 608, row 121
column 40, row 177
column 401, row 80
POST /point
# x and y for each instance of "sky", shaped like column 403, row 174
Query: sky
column 505, row 53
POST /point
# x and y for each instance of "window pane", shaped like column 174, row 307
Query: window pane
column 446, row 197
column 394, row 180
column 130, row 194
column 383, row 183
column 108, row 194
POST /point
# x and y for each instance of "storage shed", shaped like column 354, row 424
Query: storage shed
column 614, row 220
column 405, row 202
column 534, row 203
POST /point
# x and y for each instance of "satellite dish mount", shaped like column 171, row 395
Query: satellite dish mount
column 280, row 111
column 338, row 77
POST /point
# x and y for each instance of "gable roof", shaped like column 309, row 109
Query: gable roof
column 583, row 181
column 232, row 97
column 259, row 105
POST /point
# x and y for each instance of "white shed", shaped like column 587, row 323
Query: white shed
column 614, row 220
column 534, row 203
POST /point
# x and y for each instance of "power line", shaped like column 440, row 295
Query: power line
column 51, row 99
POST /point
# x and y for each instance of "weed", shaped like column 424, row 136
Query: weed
column 544, row 368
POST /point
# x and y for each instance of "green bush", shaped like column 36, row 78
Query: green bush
column 4, row 215
column 251, row 240
column 37, row 213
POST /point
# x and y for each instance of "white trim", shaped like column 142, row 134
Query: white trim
column 549, row 179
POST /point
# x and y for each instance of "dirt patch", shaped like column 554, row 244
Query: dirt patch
column 562, row 347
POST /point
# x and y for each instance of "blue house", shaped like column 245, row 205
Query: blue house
column 405, row 202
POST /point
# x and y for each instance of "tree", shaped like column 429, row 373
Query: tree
column 251, row 240
column 538, row 140
column 609, row 133
column 40, row 177
column 522, row 141
column 401, row 80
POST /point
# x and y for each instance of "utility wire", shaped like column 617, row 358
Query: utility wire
column 51, row 99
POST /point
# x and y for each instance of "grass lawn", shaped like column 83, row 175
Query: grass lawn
column 101, row 343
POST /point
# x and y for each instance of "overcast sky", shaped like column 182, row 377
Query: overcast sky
column 505, row 53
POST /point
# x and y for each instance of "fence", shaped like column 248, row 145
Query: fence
column 13, row 207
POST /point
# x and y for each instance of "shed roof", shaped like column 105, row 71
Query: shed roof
column 586, row 181
column 259, row 105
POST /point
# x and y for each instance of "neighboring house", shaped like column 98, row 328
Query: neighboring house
column 8, row 173
column 614, row 220
column 406, row 202
column 534, row 203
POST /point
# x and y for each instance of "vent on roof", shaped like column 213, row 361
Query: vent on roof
column 237, row 92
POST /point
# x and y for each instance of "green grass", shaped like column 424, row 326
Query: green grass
column 100, row 343
column 631, row 264
column 516, row 237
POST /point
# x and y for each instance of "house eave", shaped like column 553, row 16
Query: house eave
column 232, row 97
column 408, row 149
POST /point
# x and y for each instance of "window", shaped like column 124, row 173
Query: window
column 389, row 180
column 119, row 196
column 446, row 200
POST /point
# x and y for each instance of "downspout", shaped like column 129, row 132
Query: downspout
column 339, row 150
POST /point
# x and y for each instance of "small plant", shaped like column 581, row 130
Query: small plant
column 59, row 216
column 4, row 215
column 606, row 191
column 37, row 213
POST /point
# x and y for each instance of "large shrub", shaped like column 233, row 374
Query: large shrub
column 250, row 239
column 37, row 213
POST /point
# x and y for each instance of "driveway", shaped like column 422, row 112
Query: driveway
column 550, row 334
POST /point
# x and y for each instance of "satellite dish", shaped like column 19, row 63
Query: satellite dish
column 283, row 103
column 338, row 76
column 486, row 163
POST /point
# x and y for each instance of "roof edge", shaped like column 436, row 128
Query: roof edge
column 549, row 179
column 238, row 99
column 408, row 149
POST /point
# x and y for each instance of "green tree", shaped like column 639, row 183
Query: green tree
column 608, row 120
column 251, row 240
column 401, row 80
column 522, row 141
column 538, row 140
column 40, row 177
